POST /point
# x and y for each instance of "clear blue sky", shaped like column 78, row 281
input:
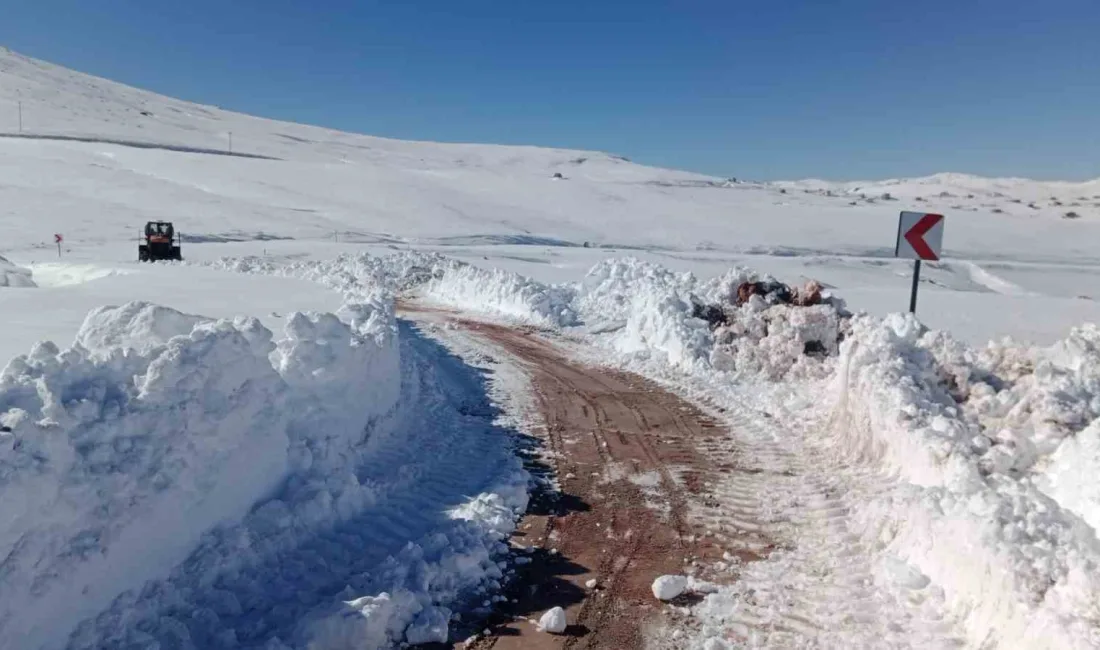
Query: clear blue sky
column 755, row 89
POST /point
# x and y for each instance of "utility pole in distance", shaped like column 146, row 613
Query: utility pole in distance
column 20, row 116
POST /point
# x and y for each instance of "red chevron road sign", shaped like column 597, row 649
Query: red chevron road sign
column 920, row 236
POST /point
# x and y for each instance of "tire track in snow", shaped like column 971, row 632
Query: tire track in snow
column 817, row 588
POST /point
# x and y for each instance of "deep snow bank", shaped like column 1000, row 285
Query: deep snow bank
column 976, row 435
column 154, row 428
column 992, row 453
column 356, row 275
column 646, row 309
column 503, row 293
column 434, row 278
column 372, row 541
column 650, row 313
column 135, row 326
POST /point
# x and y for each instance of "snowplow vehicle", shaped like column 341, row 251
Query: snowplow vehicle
column 160, row 242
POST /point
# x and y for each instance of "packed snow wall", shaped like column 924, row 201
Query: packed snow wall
column 121, row 452
column 988, row 447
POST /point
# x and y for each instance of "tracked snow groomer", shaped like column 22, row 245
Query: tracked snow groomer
column 160, row 242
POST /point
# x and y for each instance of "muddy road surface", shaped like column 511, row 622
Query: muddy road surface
column 629, row 458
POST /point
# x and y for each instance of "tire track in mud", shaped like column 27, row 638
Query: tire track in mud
column 651, row 484
column 630, row 460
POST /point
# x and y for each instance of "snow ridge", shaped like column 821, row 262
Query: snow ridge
column 921, row 406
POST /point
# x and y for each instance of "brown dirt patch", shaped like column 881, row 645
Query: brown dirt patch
column 627, row 457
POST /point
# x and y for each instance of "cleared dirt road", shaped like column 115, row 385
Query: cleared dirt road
column 627, row 455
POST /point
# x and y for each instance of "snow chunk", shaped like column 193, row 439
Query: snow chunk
column 497, row 511
column 12, row 275
column 429, row 626
column 1071, row 478
column 668, row 587
column 553, row 621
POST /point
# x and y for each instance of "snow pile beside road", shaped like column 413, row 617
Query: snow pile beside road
column 434, row 278
column 647, row 311
column 648, row 308
column 12, row 275
column 609, row 288
column 108, row 452
column 661, row 325
column 975, row 434
column 503, row 293
column 398, row 499
column 777, row 342
column 1045, row 417
column 722, row 289
column 652, row 313
column 1071, row 477
column 334, row 360
column 159, row 425
column 351, row 274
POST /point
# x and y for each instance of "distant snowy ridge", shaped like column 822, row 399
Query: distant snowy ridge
column 135, row 156
column 960, row 188
column 60, row 102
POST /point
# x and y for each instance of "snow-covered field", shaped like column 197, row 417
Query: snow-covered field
column 325, row 191
column 251, row 446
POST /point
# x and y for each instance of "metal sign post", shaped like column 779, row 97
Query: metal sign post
column 920, row 237
column 58, row 239
column 916, row 283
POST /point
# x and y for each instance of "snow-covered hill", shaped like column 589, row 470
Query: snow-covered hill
column 130, row 155
column 948, row 192
column 343, row 478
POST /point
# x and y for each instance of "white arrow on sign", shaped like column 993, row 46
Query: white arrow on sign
column 920, row 236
